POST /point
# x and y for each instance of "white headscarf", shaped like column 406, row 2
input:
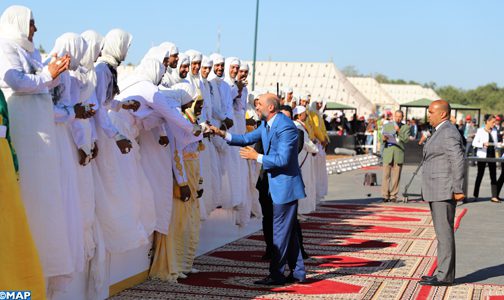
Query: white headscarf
column 158, row 53
column 95, row 43
column 170, row 47
column 244, row 67
column 298, row 110
column 168, row 78
column 115, row 47
column 313, row 106
column 72, row 44
column 216, row 59
column 186, row 92
column 288, row 90
column 206, row 62
column 149, row 69
column 230, row 61
column 15, row 26
column 183, row 60
column 194, row 55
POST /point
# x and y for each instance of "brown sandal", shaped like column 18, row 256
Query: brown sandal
column 495, row 200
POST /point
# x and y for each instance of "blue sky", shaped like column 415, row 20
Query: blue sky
column 446, row 41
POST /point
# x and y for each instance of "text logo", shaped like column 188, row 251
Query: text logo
column 15, row 295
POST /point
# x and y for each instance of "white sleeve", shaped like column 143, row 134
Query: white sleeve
column 63, row 114
column 78, row 133
column 13, row 74
column 178, row 168
column 478, row 139
column 168, row 109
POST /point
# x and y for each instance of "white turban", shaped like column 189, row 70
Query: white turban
column 244, row 66
column 298, row 110
column 194, row 55
column 94, row 42
column 231, row 61
column 183, row 60
column 72, row 44
column 157, row 53
column 217, row 58
column 288, row 90
column 149, row 69
column 206, row 62
column 170, row 47
column 186, row 92
column 115, row 47
column 15, row 26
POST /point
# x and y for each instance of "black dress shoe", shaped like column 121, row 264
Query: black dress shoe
column 268, row 280
column 424, row 278
column 292, row 279
column 435, row 282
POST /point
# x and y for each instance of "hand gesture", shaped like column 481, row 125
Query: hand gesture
column 163, row 141
column 84, row 111
column 58, row 65
column 228, row 122
column 124, row 145
column 131, row 104
column 185, row 193
column 94, row 151
column 458, row 196
column 83, row 157
column 217, row 131
column 248, row 153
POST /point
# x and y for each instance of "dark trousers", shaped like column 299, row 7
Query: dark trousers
column 267, row 221
column 286, row 243
column 493, row 177
column 267, row 212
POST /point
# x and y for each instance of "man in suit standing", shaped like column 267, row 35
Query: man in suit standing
column 279, row 137
column 395, row 135
column 442, row 187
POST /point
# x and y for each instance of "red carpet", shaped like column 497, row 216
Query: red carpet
column 358, row 252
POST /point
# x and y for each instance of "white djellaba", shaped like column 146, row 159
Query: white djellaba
column 306, row 159
column 25, row 83
column 320, row 158
column 118, row 213
column 65, row 96
column 209, row 157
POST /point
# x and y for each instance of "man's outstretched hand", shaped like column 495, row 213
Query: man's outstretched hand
column 217, row 131
column 248, row 153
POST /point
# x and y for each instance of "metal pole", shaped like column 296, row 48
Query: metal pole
column 255, row 46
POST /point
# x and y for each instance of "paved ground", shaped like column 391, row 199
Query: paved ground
column 479, row 240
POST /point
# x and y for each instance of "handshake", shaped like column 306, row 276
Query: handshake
column 216, row 131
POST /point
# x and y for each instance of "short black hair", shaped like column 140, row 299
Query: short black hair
column 287, row 108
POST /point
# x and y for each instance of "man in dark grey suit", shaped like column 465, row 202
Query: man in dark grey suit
column 442, row 181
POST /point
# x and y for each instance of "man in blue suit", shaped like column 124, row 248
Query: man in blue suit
column 279, row 137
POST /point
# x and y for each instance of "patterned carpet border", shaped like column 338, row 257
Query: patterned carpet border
column 376, row 251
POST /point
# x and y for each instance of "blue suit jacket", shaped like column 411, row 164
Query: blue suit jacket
column 280, row 158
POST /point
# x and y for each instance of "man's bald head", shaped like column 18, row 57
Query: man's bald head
column 268, row 105
column 439, row 111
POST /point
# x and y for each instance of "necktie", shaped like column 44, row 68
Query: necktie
column 267, row 128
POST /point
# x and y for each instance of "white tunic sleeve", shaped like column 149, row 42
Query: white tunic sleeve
column 168, row 109
column 13, row 73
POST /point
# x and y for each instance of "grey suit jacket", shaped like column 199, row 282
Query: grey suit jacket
column 443, row 164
